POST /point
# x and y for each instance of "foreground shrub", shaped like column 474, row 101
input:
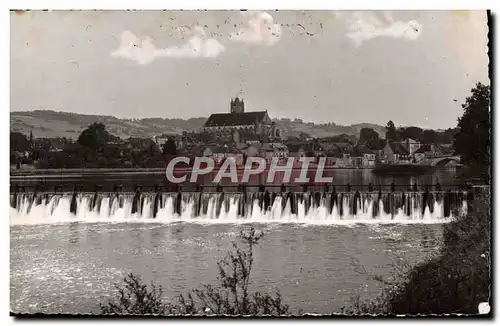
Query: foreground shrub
column 230, row 297
column 136, row 298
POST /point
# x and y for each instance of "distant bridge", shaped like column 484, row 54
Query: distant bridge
column 442, row 161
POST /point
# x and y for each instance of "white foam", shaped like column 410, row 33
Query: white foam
column 57, row 210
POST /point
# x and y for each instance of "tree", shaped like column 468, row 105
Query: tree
column 169, row 147
column 367, row 135
column 411, row 132
column 447, row 136
column 429, row 136
column 390, row 126
column 18, row 142
column 152, row 149
column 342, row 138
column 472, row 142
column 376, row 144
column 94, row 137
column 391, row 132
column 303, row 135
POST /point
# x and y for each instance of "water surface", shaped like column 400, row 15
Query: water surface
column 71, row 268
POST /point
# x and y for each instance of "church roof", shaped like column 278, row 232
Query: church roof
column 235, row 119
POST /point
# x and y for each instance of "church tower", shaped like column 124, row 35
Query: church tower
column 237, row 106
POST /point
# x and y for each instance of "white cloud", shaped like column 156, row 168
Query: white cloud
column 143, row 51
column 260, row 29
column 364, row 26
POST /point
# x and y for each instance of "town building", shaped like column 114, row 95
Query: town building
column 267, row 151
column 364, row 157
column 411, row 145
column 220, row 152
column 296, row 149
column 240, row 124
column 425, row 151
column 394, row 153
column 161, row 139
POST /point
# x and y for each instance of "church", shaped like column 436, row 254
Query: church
column 242, row 125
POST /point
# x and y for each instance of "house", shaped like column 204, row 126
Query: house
column 345, row 161
column 161, row 139
column 425, row 151
column 332, row 155
column 266, row 150
column 377, row 148
column 317, row 149
column 249, row 137
column 340, row 155
column 280, row 150
column 327, row 145
column 395, row 153
column 253, row 150
column 345, row 148
column 411, row 145
column 220, row 152
column 364, row 156
column 330, row 160
column 296, row 149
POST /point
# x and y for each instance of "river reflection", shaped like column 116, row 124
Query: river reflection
column 340, row 177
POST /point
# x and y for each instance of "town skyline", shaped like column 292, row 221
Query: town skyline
column 138, row 64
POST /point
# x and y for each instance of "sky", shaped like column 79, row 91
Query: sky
column 346, row 67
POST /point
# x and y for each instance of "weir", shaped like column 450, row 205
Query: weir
column 219, row 207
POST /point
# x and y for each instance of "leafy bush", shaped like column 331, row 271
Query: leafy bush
column 135, row 298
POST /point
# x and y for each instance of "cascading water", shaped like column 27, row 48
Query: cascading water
column 312, row 208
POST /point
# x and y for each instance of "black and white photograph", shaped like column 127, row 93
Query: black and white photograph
column 250, row 162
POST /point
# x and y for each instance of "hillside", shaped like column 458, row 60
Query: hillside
column 46, row 123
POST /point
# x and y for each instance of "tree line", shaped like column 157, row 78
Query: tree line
column 94, row 148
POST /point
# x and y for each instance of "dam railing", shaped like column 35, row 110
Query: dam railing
column 238, row 188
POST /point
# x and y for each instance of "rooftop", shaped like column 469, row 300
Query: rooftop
column 398, row 148
column 235, row 119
